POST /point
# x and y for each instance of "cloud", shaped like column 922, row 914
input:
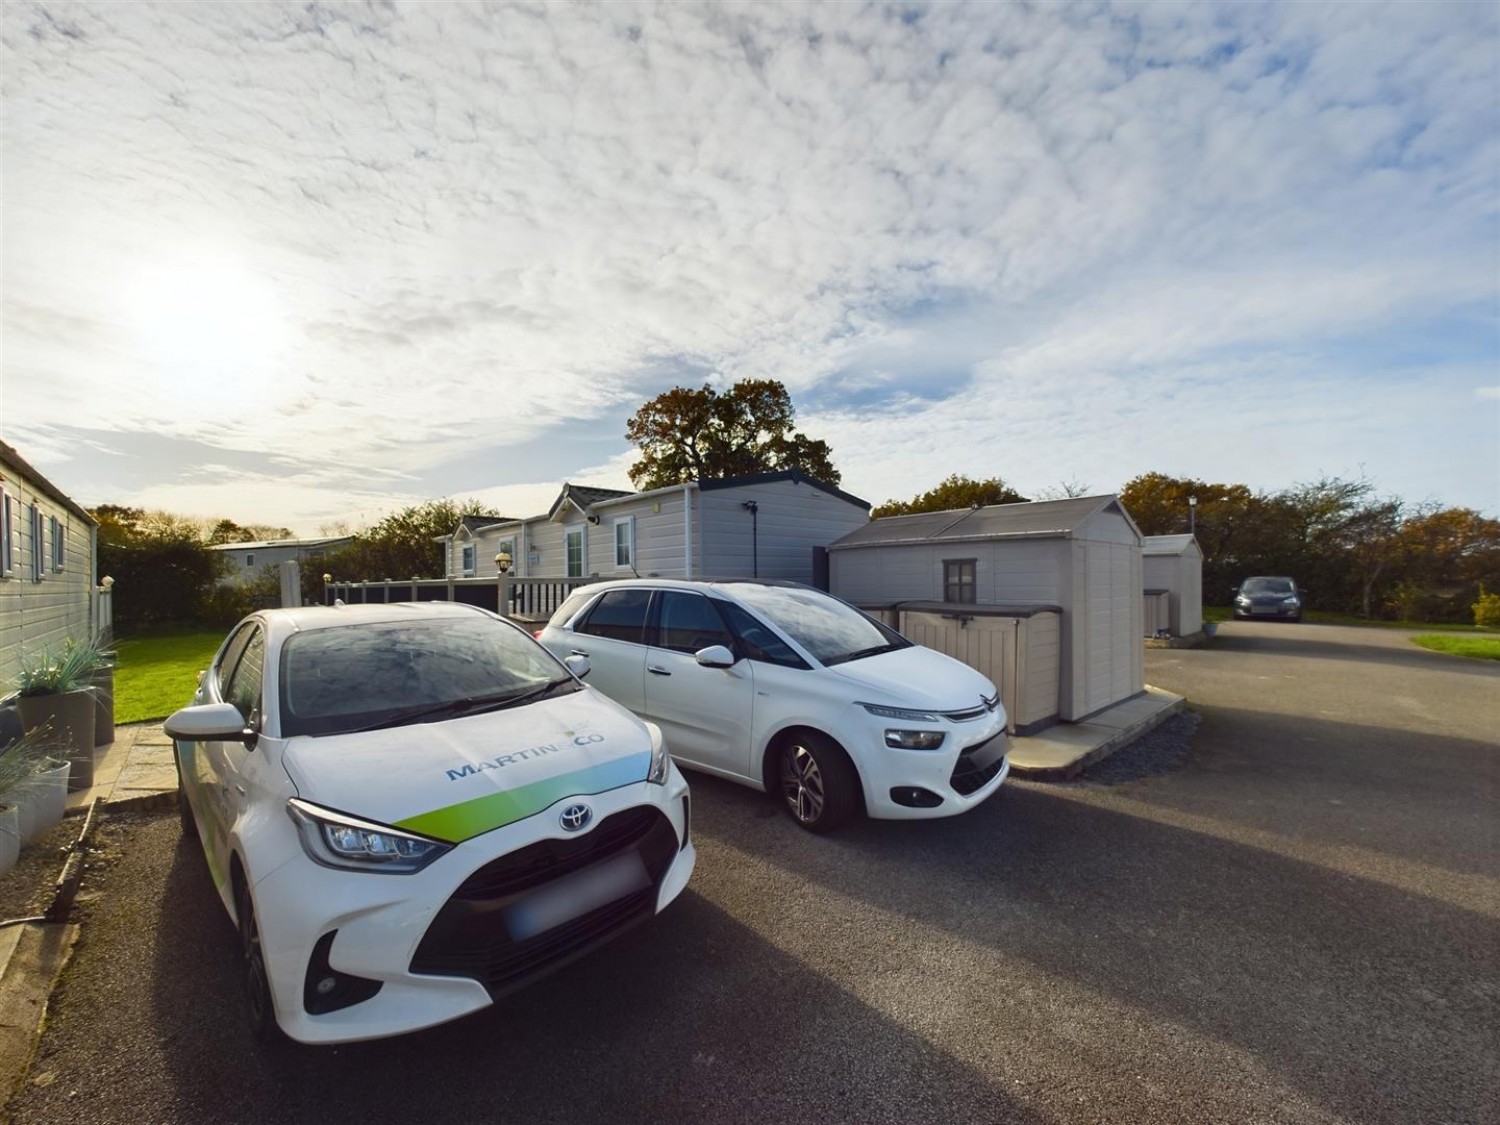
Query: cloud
column 378, row 244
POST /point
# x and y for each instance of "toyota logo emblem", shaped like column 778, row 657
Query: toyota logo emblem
column 575, row 818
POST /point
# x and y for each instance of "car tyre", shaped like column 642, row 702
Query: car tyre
column 260, row 1009
column 817, row 782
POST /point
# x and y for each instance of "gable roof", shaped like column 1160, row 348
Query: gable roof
column 583, row 497
column 1036, row 519
column 1166, row 544
column 13, row 461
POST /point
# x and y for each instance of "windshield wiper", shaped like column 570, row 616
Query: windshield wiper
column 861, row 653
column 470, row 704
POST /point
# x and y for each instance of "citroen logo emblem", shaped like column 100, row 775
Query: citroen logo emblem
column 575, row 818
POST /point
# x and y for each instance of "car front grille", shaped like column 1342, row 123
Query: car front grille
column 987, row 705
column 469, row 936
column 977, row 766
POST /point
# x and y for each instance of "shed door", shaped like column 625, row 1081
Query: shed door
column 1113, row 625
column 986, row 644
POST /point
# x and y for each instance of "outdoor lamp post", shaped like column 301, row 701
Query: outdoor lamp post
column 1192, row 515
column 502, row 562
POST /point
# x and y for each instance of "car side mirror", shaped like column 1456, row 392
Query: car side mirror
column 715, row 656
column 579, row 665
column 210, row 722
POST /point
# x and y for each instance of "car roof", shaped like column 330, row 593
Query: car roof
column 726, row 584
column 284, row 622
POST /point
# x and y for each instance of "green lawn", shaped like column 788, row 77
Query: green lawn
column 1319, row 617
column 1480, row 648
column 156, row 675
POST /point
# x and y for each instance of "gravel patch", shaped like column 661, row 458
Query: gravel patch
column 1159, row 751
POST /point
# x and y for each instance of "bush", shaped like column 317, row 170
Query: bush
column 1487, row 610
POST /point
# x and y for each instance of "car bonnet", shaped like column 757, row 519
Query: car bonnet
column 915, row 677
column 460, row 778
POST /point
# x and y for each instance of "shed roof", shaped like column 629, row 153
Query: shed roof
column 1167, row 544
column 1037, row 519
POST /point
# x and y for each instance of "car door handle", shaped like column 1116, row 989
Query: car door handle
column 240, row 789
column 655, row 671
column 578, row 652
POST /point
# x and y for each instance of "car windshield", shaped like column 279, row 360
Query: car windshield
column 831, row 630
column 354, row 677
column 1267, row 586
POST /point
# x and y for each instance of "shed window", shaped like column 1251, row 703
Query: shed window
column 625, row 543
column 7, row 536
column 58, row 542
column 958, row 580
column 249, row 561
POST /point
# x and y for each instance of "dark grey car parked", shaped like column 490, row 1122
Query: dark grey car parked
column 1268, row 597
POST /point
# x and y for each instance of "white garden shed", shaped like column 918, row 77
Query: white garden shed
column 1174, row 563
column 1079, row 557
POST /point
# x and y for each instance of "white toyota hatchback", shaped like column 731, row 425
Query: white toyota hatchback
column 787, row 689
column 410, row 810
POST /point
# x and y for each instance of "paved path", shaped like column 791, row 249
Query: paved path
column 1298, row 925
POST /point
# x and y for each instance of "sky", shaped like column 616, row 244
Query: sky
column 306, row 264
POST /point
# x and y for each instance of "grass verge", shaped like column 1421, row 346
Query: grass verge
column 1319, row 617
column 1477, row 647
column 156, row 675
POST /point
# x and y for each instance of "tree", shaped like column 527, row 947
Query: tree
column 956, row 491
column 1070, row 489
column 164, row 573
column 227, row 531
column 686, row 435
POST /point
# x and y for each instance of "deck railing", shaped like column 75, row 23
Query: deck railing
column 526, row 598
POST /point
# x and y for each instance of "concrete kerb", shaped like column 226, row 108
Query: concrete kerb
column 1062, row 752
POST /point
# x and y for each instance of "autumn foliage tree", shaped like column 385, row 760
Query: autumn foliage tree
column 688, row 434
column 955, row 491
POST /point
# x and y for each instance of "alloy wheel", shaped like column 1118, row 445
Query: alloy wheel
column 802, row 784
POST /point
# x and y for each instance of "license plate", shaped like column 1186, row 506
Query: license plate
column 575, row 895
column 1263, row 609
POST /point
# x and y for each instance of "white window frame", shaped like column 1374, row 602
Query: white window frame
column 583, row 551
column 58, row 532
column 628, row 563
column 249, row 560
column 508, row 546
column 468, row 556
column 7, row 535
column 38, row 544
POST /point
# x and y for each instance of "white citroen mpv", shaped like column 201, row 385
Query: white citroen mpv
column 787, row 689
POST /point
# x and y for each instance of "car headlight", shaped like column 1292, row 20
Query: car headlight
column 1291, row 601
column 902, row 713
column 661, row 761
column 336, row 840
column 914, row 739
column 1240, row 599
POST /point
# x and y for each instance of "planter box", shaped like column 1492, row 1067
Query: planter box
column 10, row 836
column 70, row 718
column 42, row 800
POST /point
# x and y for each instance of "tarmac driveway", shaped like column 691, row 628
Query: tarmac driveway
column 1297, row 925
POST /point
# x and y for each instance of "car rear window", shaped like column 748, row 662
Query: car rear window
column 346, row 677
